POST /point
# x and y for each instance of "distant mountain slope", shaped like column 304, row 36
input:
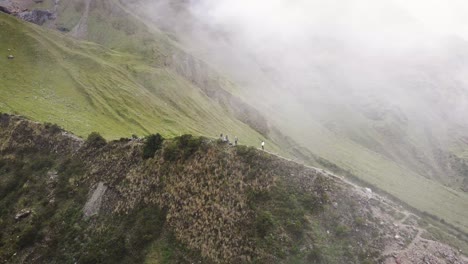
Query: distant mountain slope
column 397, row 121
column 86, row 87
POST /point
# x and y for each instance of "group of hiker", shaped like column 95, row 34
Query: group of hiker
column 225, row 139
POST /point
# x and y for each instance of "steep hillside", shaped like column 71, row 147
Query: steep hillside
column 410, row 150
column 394, row 120
column 65, row 200
column 85, row 87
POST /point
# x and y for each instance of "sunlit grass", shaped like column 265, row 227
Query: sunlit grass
column 85, row 87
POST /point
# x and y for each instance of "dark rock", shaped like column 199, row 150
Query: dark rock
column 36, row 16
column 5, row 9
column 63, row 29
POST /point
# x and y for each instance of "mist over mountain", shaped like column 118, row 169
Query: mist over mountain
column 369, row 86
column 374, row 91
column 373, row 73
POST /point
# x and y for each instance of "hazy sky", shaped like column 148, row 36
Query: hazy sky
column 291, row 17
column 333, row 52
column 371, row 45
column 443, row 16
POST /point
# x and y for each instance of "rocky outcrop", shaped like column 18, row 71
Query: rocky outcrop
column 93, row 205
column 36, row 16
column 8, row 7
column 5, row 10
column 21, row 11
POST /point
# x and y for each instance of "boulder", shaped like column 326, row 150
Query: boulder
column 22, row 214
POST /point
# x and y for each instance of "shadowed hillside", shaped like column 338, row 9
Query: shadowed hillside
column 66, row 200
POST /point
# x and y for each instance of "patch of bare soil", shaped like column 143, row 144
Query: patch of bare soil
column 402, row 241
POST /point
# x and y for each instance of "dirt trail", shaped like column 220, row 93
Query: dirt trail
column 404, row 242
column 319, row 170
column 81, row 29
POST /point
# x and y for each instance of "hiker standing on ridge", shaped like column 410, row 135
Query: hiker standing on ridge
column 263, row 145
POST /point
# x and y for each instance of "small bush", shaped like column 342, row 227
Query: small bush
column 359, row 221
column 147, row 227
column 153, row 144
column 342, row 230
column 66, row 170
column 171, row 152
column 246, row 152
column 295, row 228
column 183, row 146
column 189, row 144
column 2, row 163
column 96, row 140
column 315, row 255
column 28, row 236
column 264, row 223
column 41, row 164
column 53, row 128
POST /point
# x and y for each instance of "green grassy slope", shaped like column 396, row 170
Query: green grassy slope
column 383, row 144
column 376, row 169
column 142, row 94
column 85, row 87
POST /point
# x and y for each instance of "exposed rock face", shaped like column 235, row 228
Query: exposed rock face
column 6, row 6
column 38, row 17
column 20, row 10
column 94, row 203
column 5, row 9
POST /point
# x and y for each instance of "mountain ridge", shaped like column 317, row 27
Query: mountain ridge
column 141, row 79
column 194, row 200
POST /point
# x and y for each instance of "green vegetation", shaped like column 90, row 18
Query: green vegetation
column 182, row 147
column 96, row 140
column 209, row 202
column 418, row 193
column 46, row 185
column 153, row 144
column 134, row 82
column 84, row 87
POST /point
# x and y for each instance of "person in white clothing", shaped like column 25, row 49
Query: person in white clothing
column 263, row 145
